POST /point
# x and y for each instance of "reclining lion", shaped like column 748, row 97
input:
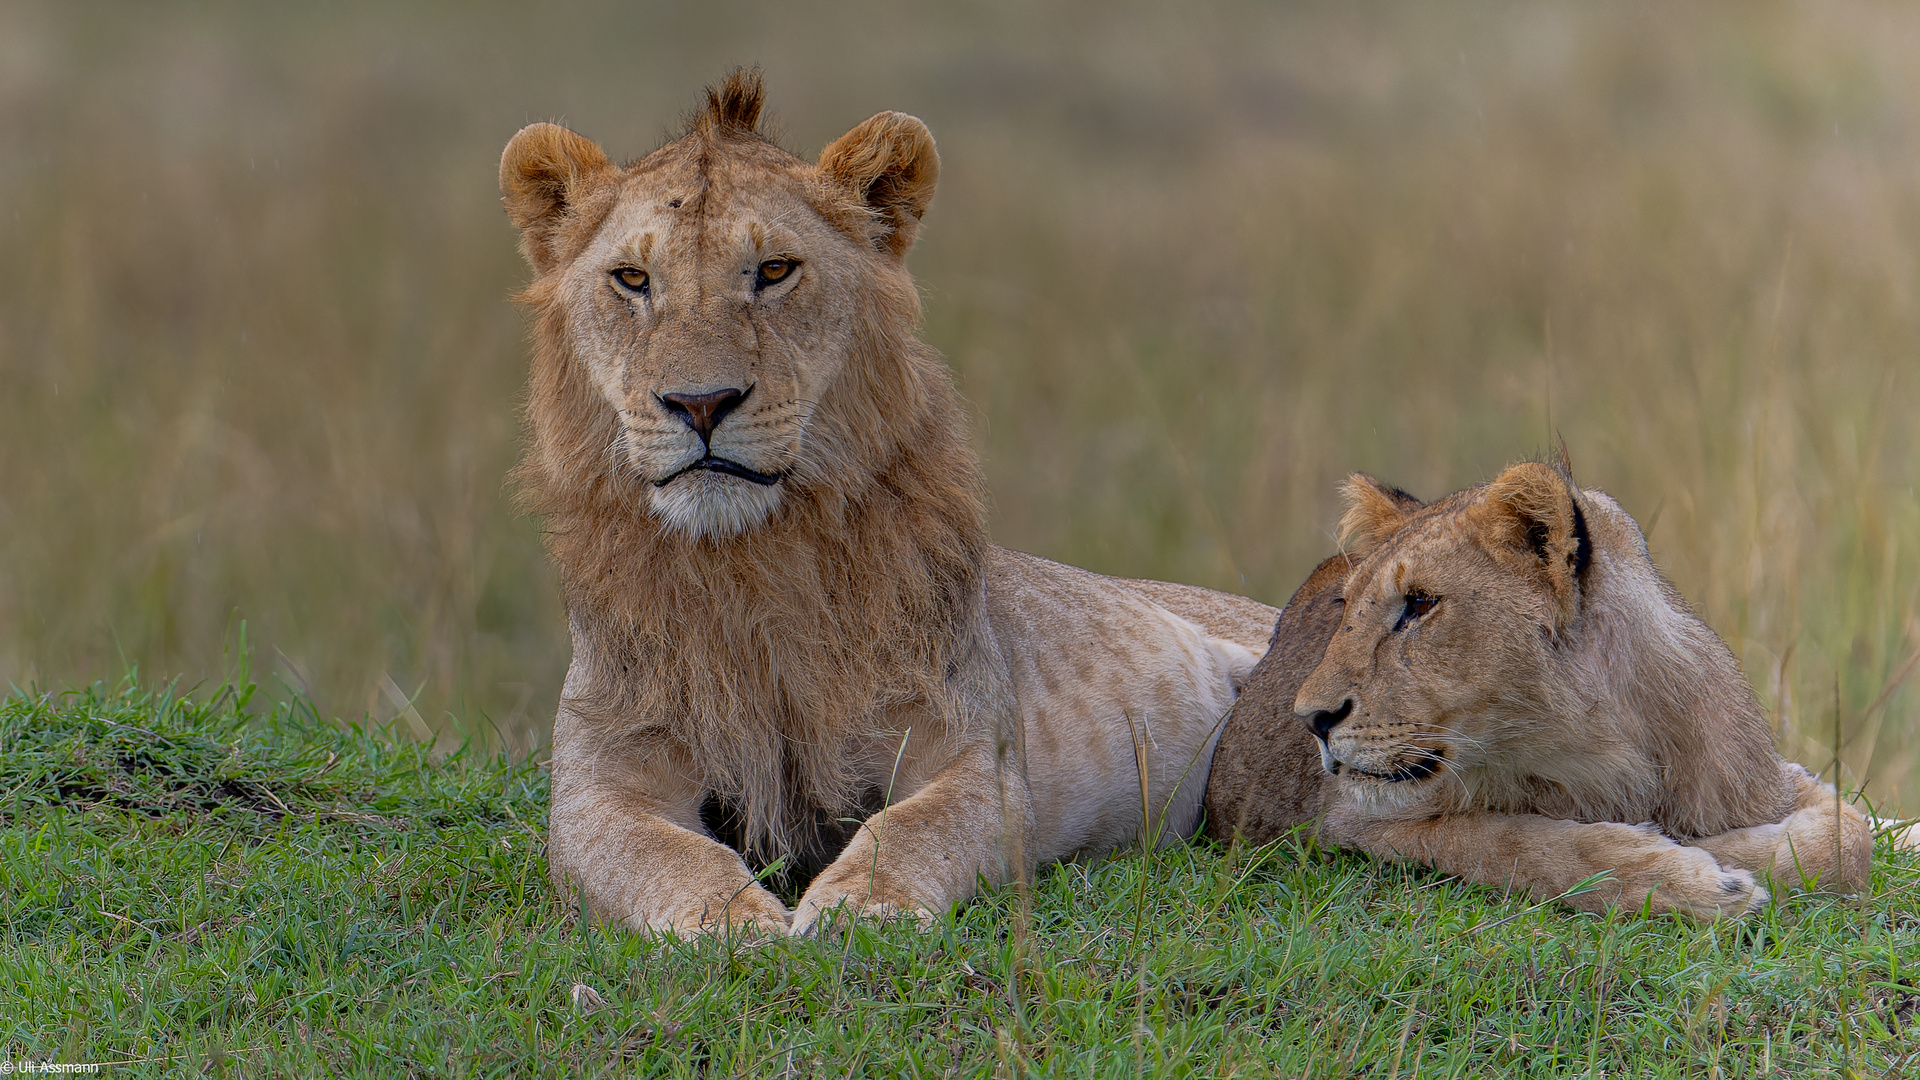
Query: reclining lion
column 1502, row 686
column 787, row 618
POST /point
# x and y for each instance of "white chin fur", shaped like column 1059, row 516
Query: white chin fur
column 698, row 505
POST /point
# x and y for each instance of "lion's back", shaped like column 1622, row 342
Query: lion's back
column 1101, row 671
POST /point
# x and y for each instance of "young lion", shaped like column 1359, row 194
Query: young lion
column 1502, row 686
column 785, row 611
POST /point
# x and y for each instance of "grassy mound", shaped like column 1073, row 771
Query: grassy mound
column 210, row 882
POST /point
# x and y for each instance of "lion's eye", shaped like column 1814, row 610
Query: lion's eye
column 774, row 270
column 1418, row 604
column 632, row 278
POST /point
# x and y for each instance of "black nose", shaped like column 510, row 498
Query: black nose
column 1324, row 721
column 703, row 412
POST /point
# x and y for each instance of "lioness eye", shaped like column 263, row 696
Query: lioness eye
column 632, row 278
column 774, row 270
column 1418, row 604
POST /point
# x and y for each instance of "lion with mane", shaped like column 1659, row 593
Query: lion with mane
column 793, row 644
column 1501, row 685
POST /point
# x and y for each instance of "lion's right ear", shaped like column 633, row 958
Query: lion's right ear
column 542, row 174
column 1533, row 511
column 1375, row 511
column 890, row 162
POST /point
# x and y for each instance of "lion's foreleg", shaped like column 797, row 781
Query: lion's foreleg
column 1822, row 843
column 626, row 839
column 1548, row 858
column 923, row 854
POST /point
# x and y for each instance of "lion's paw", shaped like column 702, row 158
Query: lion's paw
column 1744, row 891
column 815, row 915
column 754, row 915
column 1716, row 893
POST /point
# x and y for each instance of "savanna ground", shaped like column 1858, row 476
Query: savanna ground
column 1190, row 265
column 219, row 883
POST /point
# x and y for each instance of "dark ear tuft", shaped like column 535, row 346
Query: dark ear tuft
column 1532, row 513
column 1583, row 540
column 733, row 107
column 1405, row 500
column 890, row 163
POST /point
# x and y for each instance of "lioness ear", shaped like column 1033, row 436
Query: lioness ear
column 542, row 174
column 1375, row 511
column 1533, row 511
column 890, row 162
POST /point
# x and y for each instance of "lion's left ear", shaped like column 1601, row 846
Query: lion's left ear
column 1375, row 511
column 1533, row 511
column 890, row 162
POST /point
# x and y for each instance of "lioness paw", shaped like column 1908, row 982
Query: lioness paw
column 1689, row 881
column 1719, row 894
column 1740, row 885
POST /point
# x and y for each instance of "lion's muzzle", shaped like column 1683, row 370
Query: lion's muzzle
column 1323, row 721
column 723, row 466
column 703, row 412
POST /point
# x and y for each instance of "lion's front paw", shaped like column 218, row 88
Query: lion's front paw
column 815, row 914
column 1712, row 892
column 865, row 895
column 753, row 913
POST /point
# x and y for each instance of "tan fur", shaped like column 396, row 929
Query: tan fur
column 765, row 662
column 1555, row 712
column 1266, row 776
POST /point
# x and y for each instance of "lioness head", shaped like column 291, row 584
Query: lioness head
column 1455, row 619
column 715, row 306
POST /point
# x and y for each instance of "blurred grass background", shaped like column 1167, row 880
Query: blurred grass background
column 1191, row 264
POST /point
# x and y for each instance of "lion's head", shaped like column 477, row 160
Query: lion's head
column 1512, row 645
column 718, row 301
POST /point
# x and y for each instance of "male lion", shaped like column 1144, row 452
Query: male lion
column 786, row 615
column 1502, row 686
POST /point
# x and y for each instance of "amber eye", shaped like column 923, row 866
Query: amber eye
column 774, row 270
column 1418, row 604
column 632, row 278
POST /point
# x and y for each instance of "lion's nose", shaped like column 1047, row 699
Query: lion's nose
column 703, row 412
column 1323, row 721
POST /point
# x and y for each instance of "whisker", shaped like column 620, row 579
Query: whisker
column 1458, row 738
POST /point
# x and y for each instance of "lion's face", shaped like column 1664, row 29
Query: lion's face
column 712, row 295
column 1451, row 618
column 708, row 321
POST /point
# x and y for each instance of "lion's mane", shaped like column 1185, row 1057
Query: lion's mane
column 765, row 652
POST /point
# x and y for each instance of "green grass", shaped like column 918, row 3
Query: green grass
column 209, row 881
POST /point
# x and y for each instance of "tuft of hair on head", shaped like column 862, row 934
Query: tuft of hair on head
column 733, row 106
column 1563, row 460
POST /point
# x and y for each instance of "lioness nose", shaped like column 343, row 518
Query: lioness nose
column 703, row 412
column 1324, row 721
